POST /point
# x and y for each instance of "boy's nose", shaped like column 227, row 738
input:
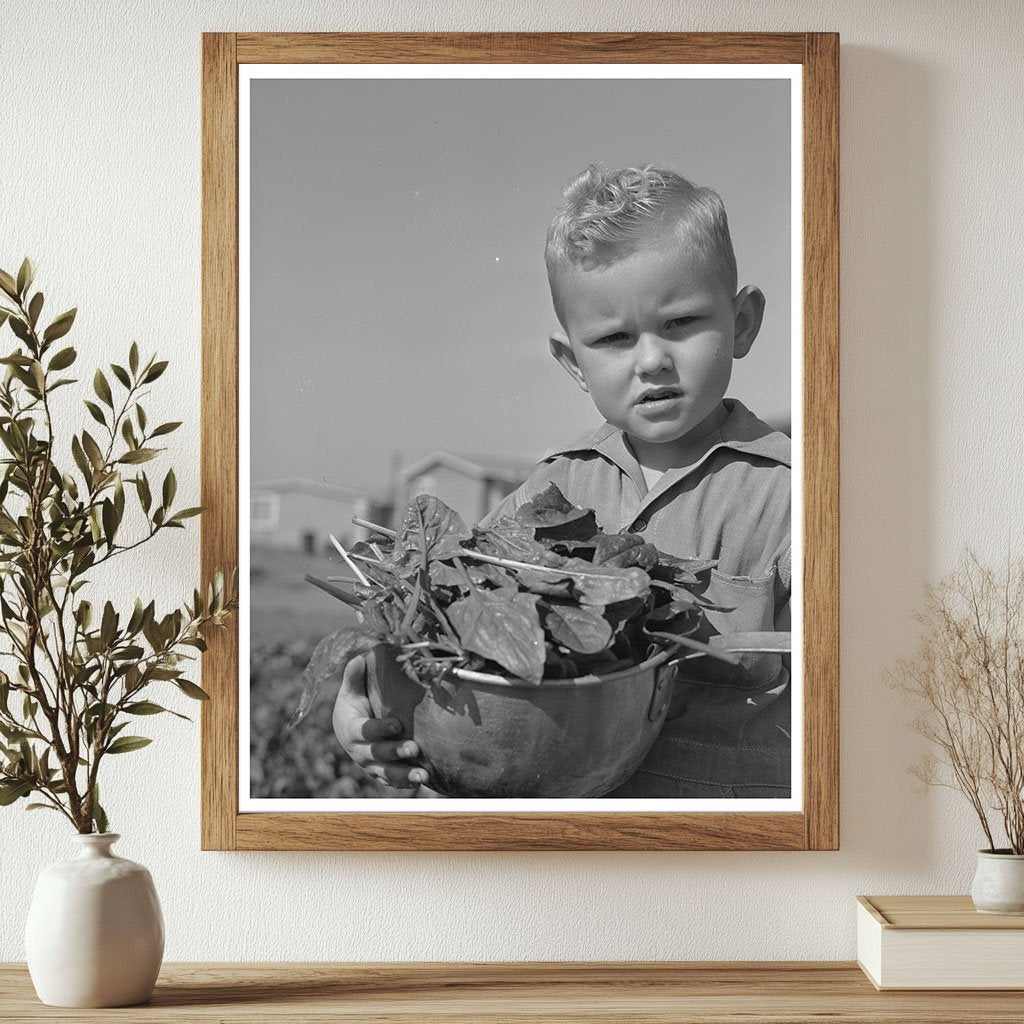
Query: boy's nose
column 652, row 354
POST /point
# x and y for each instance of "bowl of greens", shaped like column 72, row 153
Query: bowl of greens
column 531, row 658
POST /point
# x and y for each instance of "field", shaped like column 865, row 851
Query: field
column 289, row 617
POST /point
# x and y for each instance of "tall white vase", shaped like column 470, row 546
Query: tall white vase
column 95, row 933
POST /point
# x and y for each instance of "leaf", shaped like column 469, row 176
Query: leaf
column 102, row 388
column 137, row 617
column 545, row 583
column 139, row 455
column 26, row 274
column 170, row 488
column 109, row 517
column 328, row 661
column 96, row 412
column 83, row 613
column 504, row 630
column 430, row 529
column 683, row 571
column 63, row 359
column 99, row 816
column 128, row 433
column 130, row 653
column 92, row 449
column 165, row 428
column 119, row 499
column 16, row 359
column 14, row 790
column 7, row 283
column 147, row 707
column 145, row 498
column 580, row 629
column 165, row 673
column 185, row 513
column 126, row 744
column 508, row 538
column 603, row 585
column 444, row 575
column 20, row 329
column 551, row 515
column 121, row 374
column 108, row 625
column 80, row 459
column 34, row 308
column 133, row 358
column 140, row 415
column 154, row 371
column 608, row 545
column 60, row 326
column 190, row 689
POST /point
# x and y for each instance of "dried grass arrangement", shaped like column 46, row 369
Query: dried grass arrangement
column 967, row 680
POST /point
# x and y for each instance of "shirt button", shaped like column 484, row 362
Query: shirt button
column 640, row 525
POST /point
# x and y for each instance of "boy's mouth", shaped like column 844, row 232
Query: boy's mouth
column 659, row 396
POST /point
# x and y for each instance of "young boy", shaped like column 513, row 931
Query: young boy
column 644, row 285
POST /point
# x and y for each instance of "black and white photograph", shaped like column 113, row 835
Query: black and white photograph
column 519, row 453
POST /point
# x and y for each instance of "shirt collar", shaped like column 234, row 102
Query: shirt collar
column 742, row 431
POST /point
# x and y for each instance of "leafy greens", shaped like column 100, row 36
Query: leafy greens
column 543, row 594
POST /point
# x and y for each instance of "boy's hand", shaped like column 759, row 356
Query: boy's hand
column 370, row 741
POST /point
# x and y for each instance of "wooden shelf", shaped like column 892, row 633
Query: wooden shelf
column 639, row 993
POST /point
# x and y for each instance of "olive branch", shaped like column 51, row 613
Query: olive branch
column 79, row 673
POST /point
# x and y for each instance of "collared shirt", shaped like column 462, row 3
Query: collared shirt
column 731, row 502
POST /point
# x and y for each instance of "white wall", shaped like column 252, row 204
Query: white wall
column 99, row 165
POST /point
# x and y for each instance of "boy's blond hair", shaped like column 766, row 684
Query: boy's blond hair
column 605, row 215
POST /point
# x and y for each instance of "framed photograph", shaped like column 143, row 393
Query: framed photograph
column 531, row 341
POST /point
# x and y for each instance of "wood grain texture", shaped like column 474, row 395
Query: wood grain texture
column 219, row 434
column 936, row 912
column 821, row 440
column 525, row 993
column 521, row 48
column 520, row 831
column 818, row 826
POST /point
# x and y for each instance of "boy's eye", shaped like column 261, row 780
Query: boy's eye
column 681, row 321
column 610, row 339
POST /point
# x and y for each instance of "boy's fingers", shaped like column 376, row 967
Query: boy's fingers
column 395, row 750
column 397, row 775
column 378, row 728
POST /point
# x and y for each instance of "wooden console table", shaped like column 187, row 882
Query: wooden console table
column 623, row 993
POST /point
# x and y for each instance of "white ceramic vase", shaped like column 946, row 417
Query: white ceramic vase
column 999, row 883
column 95, row 934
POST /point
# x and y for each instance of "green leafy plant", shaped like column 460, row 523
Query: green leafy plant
column 544, row 594
column 80, row 674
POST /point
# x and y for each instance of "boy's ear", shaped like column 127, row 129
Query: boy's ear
column 560, row 348
column 748, row 312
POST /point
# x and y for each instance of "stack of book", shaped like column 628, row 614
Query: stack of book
column 938, row 942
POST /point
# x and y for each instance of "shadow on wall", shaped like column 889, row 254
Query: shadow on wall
column 888, row 285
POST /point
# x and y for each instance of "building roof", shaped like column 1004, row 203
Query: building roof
column 478, row 467
column 303, row 485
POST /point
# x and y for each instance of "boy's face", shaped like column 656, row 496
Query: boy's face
column 652, row 338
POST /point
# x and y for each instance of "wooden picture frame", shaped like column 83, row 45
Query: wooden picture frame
column 816, row 826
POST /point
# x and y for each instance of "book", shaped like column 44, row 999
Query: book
column 938, row 942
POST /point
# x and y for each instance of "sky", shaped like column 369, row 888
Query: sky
column 399, row 301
